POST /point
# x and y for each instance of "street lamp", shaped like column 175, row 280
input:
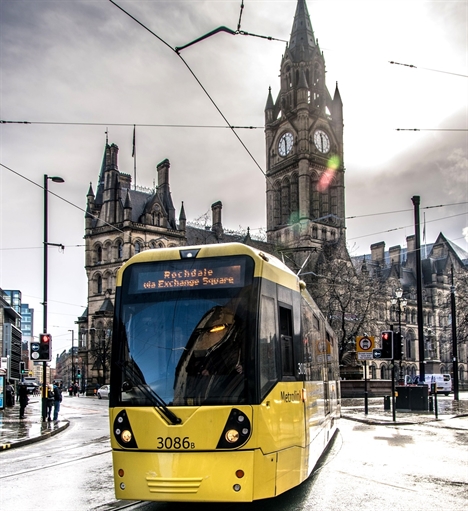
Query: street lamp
column 72, row 359
column 55, row 179
column 401, row 302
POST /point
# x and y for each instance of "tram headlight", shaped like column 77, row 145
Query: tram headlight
column 236, row 432
column 232, row 436
column 126, row 436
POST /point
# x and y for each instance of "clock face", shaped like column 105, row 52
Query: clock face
column 322, row 142
column 285, row 144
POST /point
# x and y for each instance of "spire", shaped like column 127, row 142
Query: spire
column 337, row 96
column 100, row 187
column 302, row 42
column 182, row 218
column 270, row 103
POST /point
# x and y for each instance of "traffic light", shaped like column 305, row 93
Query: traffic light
column 22, row 369
column 78, row 373
column 397, row 346
column 45, row 347
column 386, row 343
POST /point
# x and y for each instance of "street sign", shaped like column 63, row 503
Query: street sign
column 377, row 353
column 364, row 346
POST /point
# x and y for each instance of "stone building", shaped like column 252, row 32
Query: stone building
column 396, row 269
column 304, row 149
column 122, row 221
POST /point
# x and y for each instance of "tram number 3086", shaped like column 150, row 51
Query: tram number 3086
column 175, row 443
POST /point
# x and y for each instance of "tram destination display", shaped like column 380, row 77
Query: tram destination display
column 204, row 274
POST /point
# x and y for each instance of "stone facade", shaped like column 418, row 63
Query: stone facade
column 396, row 268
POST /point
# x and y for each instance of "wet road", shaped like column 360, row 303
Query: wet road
column 368, row 468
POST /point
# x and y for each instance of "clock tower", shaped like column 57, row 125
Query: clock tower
column 304, row 148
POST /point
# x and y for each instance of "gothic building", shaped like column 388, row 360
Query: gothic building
column 396, row 269
column 304, row 147
column 121, row 221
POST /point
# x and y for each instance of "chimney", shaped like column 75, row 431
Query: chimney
column 411, row 251
column 216, row 224
column 395, row 255
column 378, row 253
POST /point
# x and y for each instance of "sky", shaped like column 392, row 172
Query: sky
column 78, row 68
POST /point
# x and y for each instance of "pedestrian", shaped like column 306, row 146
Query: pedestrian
column 75, row 389
column 50, row 401
column 23, row 399
column 57, row 400
column 10, row 394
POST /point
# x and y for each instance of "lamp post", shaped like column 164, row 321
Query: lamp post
column 72, row 359
column 55, row 179
column 401, row 302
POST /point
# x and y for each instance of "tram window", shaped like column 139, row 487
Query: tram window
column 287, row 355
column 267, row 349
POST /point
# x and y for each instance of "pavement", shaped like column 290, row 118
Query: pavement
column 16, row 433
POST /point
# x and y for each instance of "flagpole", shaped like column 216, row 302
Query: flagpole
column 134, row 159
column 424, row 237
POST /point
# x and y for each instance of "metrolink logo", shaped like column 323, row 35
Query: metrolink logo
column 290, row 397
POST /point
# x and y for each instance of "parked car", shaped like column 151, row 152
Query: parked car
column 103, row 392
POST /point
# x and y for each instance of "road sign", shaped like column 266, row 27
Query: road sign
column 364, row 346
column 377, row 353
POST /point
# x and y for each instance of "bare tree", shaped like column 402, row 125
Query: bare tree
column 348, row 297
column 100, row 349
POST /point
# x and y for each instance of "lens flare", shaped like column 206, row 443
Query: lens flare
column 327, row 177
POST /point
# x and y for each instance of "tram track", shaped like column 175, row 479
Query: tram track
column 56, row 453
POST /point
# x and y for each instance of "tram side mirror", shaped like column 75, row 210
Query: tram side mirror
column 126, row 386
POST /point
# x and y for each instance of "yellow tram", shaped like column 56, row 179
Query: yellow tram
column 224, row 376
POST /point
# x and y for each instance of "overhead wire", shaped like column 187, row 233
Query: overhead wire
column 177, row 52
column 59, row 197
column 131, row 124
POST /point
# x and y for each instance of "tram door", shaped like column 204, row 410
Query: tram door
column 326, row 372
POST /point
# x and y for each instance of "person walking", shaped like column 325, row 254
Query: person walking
column 57, row 400
column 50, row 401
column 23, row 399
column 10, row 394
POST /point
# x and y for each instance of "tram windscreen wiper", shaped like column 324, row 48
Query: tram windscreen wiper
column 136, row 379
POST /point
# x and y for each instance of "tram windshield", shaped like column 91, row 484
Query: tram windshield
column 181, row 333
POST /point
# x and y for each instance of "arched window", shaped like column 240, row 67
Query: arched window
column 99, row 254
column 99, row 284
column 294, row 198
column 315, row 197
column 137, row 247
column 119, row 250
column 277, row 203
column 383, row 372
column 285, row 201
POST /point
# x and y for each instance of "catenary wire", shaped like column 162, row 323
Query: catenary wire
column 197, row 80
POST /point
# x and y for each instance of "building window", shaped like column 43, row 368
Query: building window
column 99, row 254
column 99, row 284
column 119, row 250
column 137, row 247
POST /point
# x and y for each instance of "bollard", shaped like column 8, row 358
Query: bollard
column 386, row 402
column 431, row 404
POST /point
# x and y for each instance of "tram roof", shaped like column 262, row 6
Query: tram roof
column 266, row 265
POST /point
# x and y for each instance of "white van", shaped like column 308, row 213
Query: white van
column 443, row 382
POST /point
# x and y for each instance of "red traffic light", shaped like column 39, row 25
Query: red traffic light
column 45, row 338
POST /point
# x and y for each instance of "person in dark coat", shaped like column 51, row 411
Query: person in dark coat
column 50, row 401
column 57, row 400
column 23, row 399
column 10, row 394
